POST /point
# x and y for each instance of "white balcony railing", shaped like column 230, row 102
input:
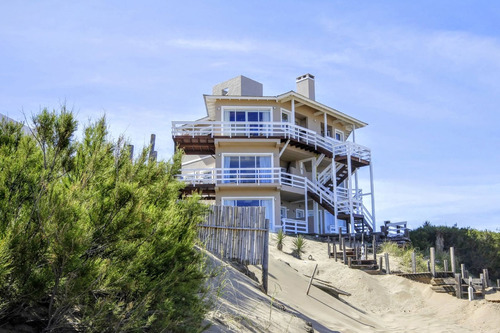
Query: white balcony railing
column 268, row 129
column 220, row 176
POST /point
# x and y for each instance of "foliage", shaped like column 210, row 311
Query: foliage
column 476, row 249
column 404, row 254
column 91, row 240
column 299, row 245
column 280, row 238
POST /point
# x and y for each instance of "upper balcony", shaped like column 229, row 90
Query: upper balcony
column 198, row 137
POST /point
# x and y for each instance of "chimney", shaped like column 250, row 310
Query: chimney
column 305, row 85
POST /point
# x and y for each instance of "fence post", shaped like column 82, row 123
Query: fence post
column 344, row 256
column 311, row 280
column 329, row 251
column 340, row 237
column 452, row 259
column 433, row 261
column 374, row 245
column 413, row 263
column 458, row 280
column 387, row 268
column 486, row 278
column 380, row 264
column 445, row 265
column 462, row 270
column 265, row 259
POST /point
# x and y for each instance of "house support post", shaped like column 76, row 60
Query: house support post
column 372, row 195
column 349, row 181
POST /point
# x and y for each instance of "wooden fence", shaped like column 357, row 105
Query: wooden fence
column 236, row 233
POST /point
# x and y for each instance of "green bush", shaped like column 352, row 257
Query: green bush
column 474, row 248
column 91, row 240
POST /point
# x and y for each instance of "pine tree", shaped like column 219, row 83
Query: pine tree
column 90, row 239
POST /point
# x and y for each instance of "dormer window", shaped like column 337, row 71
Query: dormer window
column 225, row 91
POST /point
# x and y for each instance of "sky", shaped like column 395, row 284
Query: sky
column 425, row 76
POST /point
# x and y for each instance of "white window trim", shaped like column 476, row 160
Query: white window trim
column 247, row 108
column 287, row 112
column 342, row 135
column 297, row 213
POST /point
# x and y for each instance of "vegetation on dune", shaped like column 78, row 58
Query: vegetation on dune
column 91, row 240
column 299, row 245
column 280, row 239
column 474, row 248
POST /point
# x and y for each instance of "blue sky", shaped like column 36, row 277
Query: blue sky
column 424, row 75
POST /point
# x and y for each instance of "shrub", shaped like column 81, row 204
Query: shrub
column 91, row 240
column 299, row 245
column 280, row 238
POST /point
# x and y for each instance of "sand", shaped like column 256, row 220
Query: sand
column 378, row 303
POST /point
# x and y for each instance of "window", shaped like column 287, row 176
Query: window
column 247, row 169
column 286, row 116
column 268, row 203
column 283, row 212
column 299, row 213
column 339, row 135
column 250, row 117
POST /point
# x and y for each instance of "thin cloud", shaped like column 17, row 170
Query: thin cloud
column 213, row 45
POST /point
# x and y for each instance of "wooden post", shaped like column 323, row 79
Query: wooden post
column 265, row 257
column 349, row 262
column 387, row 268
column 445, row 264
column 462, row 270
column 458, row 280
column 374, row 246
column 340, row 238
column 498, row 283
column 413, row 263
column 350, row 241
column 344, row 256
column 483, row 284
column 356, row 252
column 335, row 251
column 311, row 280
column 433, row 261
column 329, row 251
column 366, row 251
column 380, row 264
column 486, row 278
column 452, row 259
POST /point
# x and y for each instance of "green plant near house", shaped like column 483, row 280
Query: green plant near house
column 280, row 238
column 299, row 245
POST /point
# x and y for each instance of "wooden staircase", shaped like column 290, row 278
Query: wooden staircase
column 354, row 261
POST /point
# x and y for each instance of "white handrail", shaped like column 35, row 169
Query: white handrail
column 269, row 129
column 274, row 175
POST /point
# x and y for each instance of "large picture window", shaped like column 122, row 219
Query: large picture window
column 247, row 168
column 268, row 203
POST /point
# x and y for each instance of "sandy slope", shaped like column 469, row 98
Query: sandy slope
column 384, row 303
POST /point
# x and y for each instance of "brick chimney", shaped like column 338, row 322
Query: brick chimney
column 305, row 85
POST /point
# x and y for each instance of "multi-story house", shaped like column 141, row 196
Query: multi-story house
column 289, row 153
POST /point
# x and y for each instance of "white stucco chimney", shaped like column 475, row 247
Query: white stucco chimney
column 305, row 85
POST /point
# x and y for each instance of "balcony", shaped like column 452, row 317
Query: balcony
column 197, row 137
column 208, row 179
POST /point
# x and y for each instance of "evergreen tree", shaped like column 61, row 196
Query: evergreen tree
column 90, row 239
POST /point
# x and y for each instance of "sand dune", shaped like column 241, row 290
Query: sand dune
column 380, row 303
